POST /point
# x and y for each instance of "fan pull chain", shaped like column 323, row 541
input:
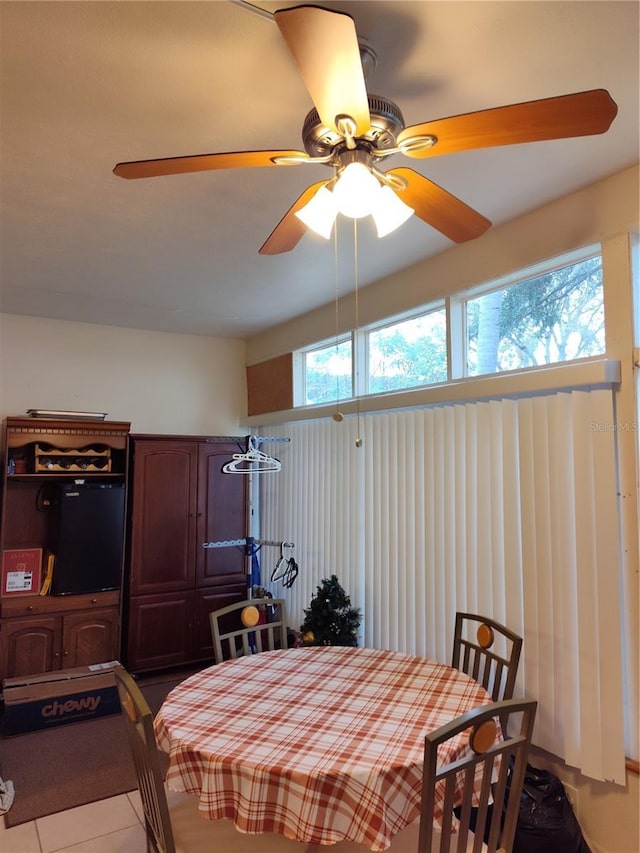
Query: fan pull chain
column 357, row 329
column 257, row 10
column 337, row 415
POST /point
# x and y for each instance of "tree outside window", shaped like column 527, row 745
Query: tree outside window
column 553, row 317
column 328, row 373
column 408, row 354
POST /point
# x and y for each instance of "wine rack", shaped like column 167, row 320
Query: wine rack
column 88, row 459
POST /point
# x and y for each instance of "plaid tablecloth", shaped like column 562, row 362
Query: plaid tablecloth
column 318, row 744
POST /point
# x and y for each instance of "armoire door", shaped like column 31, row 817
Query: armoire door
column 163, row 523
column 160, row 631
column 222, row 516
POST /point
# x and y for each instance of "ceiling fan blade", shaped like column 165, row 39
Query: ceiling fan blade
column 290, row 230
column 438, row 208
column 581, row 114
column 325, row 47
column 202, row 163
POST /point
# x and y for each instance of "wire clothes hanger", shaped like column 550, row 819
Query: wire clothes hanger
column 286, row 570
column 252, row 461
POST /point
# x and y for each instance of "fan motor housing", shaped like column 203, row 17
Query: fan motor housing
column 386, row 123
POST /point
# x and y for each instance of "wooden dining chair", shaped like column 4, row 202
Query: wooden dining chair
column 247, row 627
column 139, row 724
column 171, row 820
column 483, row 787
column 476, row 653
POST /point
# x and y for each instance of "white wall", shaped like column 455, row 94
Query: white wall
column 162, row 383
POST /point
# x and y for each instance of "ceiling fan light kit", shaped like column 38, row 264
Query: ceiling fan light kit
column 357, row 193
column 349, row 127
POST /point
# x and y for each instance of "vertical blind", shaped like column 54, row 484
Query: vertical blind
column 316, row 502
column 506, row 508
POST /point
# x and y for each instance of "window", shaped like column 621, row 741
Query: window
column 556, row 316
column 552, row 312
column 328, row 373
column 409, row 353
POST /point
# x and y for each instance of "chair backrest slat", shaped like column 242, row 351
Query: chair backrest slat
column 483, row 812
column 477, row 660
column 497, row 691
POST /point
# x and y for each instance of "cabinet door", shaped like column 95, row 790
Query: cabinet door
column 160, row 628
column 163, row 522
column 89, row 638
column 30, row 646
column 222, row 515
column 205, row 602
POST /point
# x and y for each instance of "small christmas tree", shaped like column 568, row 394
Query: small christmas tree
column 330, row 620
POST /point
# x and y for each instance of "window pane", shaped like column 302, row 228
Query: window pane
column 554, row 317
column 327, row 374
column 412, row 352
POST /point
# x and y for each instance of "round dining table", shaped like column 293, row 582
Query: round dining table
column 320, row 744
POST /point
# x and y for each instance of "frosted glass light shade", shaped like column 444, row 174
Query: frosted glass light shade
column 357, row 191
column 319, row 213
column 390, row 212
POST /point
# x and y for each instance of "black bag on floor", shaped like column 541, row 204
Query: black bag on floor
column 546, row 821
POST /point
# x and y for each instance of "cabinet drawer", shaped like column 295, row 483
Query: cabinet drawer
column 33, row 605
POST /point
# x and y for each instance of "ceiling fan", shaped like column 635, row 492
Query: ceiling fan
column 349, row 128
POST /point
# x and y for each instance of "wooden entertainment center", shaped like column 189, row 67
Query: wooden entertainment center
column 41, row 633
column 156, row 614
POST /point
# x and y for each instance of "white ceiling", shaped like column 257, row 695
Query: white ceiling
column 88, row 84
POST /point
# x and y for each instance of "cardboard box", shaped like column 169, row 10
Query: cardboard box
column 58, row 698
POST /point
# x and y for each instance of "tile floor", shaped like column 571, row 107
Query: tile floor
column 115, row 826
column 108, row 826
